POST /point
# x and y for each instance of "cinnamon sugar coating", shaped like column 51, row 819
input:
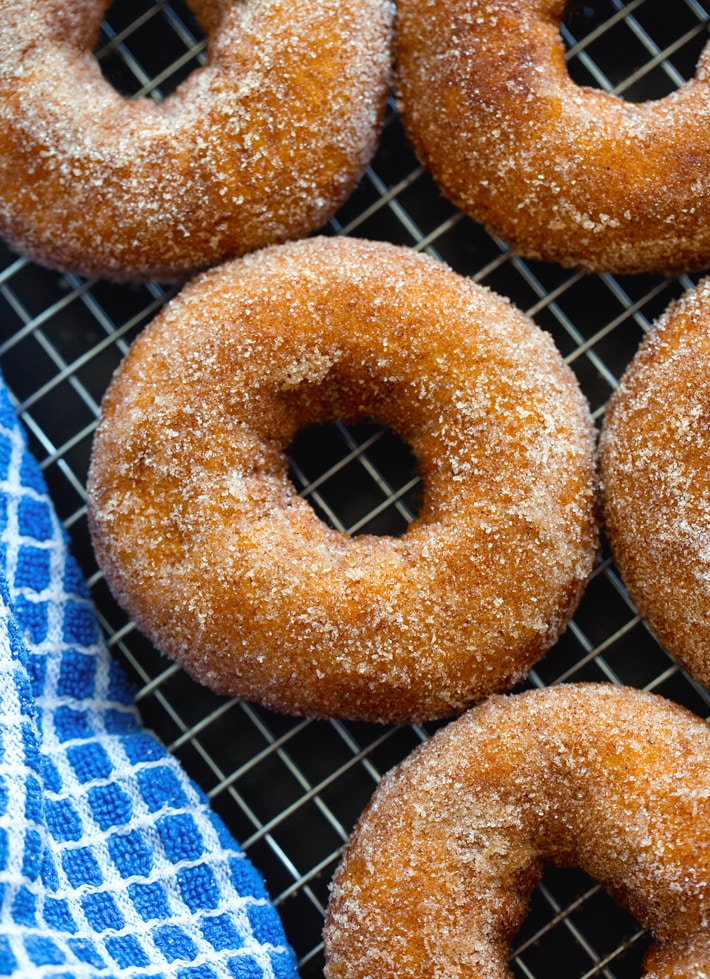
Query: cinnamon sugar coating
column 562, row 172
column 436, row 879
column 260, row 145
column 655, row 468
column 204, row 540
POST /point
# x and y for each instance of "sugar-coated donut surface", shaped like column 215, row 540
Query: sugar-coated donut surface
column 562, row 172
column 437, row 876
column 205, row 541
column 655, row 470
column 261, row 145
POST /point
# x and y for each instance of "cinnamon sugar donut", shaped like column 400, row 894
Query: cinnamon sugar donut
column 655, row 459
column 204, row 540
column 562, row 172
column 437, row 876
column 261, row 145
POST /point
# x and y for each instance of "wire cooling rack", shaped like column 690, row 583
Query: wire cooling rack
column 290, row 789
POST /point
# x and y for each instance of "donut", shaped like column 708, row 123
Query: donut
column 437, row 876
column 204, row 540
column 655, row 476
column 260, row 145
column 561, row 172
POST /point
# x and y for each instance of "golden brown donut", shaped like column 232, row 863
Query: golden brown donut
column 655, row 469
column 562, row 172
column 261, row 145
column 204, row 540
column 437, row 876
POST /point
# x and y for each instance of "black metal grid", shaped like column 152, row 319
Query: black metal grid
column 290, row 789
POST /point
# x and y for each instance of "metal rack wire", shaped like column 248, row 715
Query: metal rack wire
column 290, row 789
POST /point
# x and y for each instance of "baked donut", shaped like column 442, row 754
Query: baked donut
column 205, row 542
column 261, row 145
column 562, row 172
column 437, row 876
column 655, row 471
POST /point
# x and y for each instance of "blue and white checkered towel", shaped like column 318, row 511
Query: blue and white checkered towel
column 111, row 862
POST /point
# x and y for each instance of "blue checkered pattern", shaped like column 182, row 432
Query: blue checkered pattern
column 111, row 862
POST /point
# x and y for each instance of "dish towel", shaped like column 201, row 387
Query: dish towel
column 111, row 862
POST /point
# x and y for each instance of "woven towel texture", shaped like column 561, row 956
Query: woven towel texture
column 111, row 861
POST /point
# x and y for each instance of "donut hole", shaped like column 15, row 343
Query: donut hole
column 147, row 49
column 545, row 937
column 621, row 53
column 360, row 478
